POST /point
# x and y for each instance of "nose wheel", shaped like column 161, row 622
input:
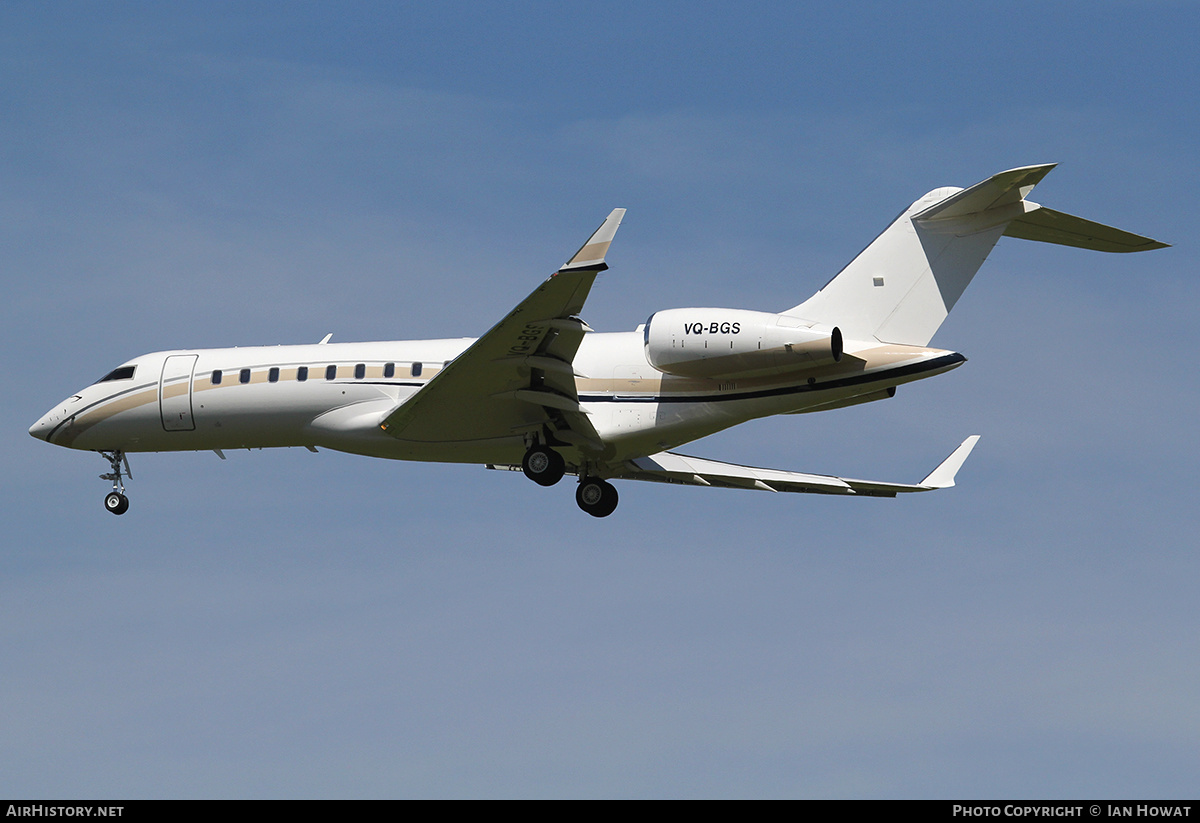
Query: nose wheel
column 116, row 501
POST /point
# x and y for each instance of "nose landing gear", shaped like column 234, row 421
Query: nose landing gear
column 116, row 501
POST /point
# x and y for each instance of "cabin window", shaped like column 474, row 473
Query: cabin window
column 360, row 371
column 123, row 373
column 416, row 369
column 302, row 374
column 244, row 376
column 273, row 375
column 330, row 372
column 216, row 377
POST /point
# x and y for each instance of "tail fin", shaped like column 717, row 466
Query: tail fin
column 901, row 287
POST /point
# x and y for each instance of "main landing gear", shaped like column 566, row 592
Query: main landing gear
column 116, row 501
column 596, row 497
column 544, row 466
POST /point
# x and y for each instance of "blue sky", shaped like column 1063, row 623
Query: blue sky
column 282, row 624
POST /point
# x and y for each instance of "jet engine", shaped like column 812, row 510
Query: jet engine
column 736, row 342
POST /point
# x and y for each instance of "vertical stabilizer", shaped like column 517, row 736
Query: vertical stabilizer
column 902, row 286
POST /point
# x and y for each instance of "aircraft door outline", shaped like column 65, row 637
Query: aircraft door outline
column 175, row 392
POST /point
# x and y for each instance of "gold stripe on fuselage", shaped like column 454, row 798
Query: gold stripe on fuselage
column 101, row 412
column 654, row 384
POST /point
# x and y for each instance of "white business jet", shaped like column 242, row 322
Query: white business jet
column 544, row 393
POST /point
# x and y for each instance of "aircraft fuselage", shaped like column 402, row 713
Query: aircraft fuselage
column 336, row 396
column 542, row 392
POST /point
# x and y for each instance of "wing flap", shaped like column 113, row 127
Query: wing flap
column 695, row 471
column 668, row 467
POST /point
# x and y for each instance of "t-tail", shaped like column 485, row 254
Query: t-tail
column 900, row 288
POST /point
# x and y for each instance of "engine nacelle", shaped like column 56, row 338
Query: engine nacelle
column 730, row 342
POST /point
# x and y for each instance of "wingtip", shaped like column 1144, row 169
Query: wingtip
column 943, row 476
column 592, row 253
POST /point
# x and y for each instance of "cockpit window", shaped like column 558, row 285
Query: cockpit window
column 123, row 373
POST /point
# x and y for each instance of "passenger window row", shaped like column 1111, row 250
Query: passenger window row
column 331, row 373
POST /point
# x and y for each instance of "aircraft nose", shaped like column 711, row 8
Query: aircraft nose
column 58, row 418
column 50, row 421
column 41, row 429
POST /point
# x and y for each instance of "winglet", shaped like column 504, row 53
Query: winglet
column 591, row 254
column 943, row 476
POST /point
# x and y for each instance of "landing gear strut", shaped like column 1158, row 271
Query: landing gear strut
column 543, row 465
column 596, row 497
column 116, row 501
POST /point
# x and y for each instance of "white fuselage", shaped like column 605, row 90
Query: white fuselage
column 543, row 393
column 337, row 395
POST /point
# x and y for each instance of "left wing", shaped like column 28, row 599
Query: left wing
column 668, row 467
column 519, row 376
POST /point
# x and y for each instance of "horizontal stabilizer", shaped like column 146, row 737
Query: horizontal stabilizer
column 1004, row 189
column 1050, row 226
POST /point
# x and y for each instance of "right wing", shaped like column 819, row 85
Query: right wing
column 519, row 376
column 668, row 467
